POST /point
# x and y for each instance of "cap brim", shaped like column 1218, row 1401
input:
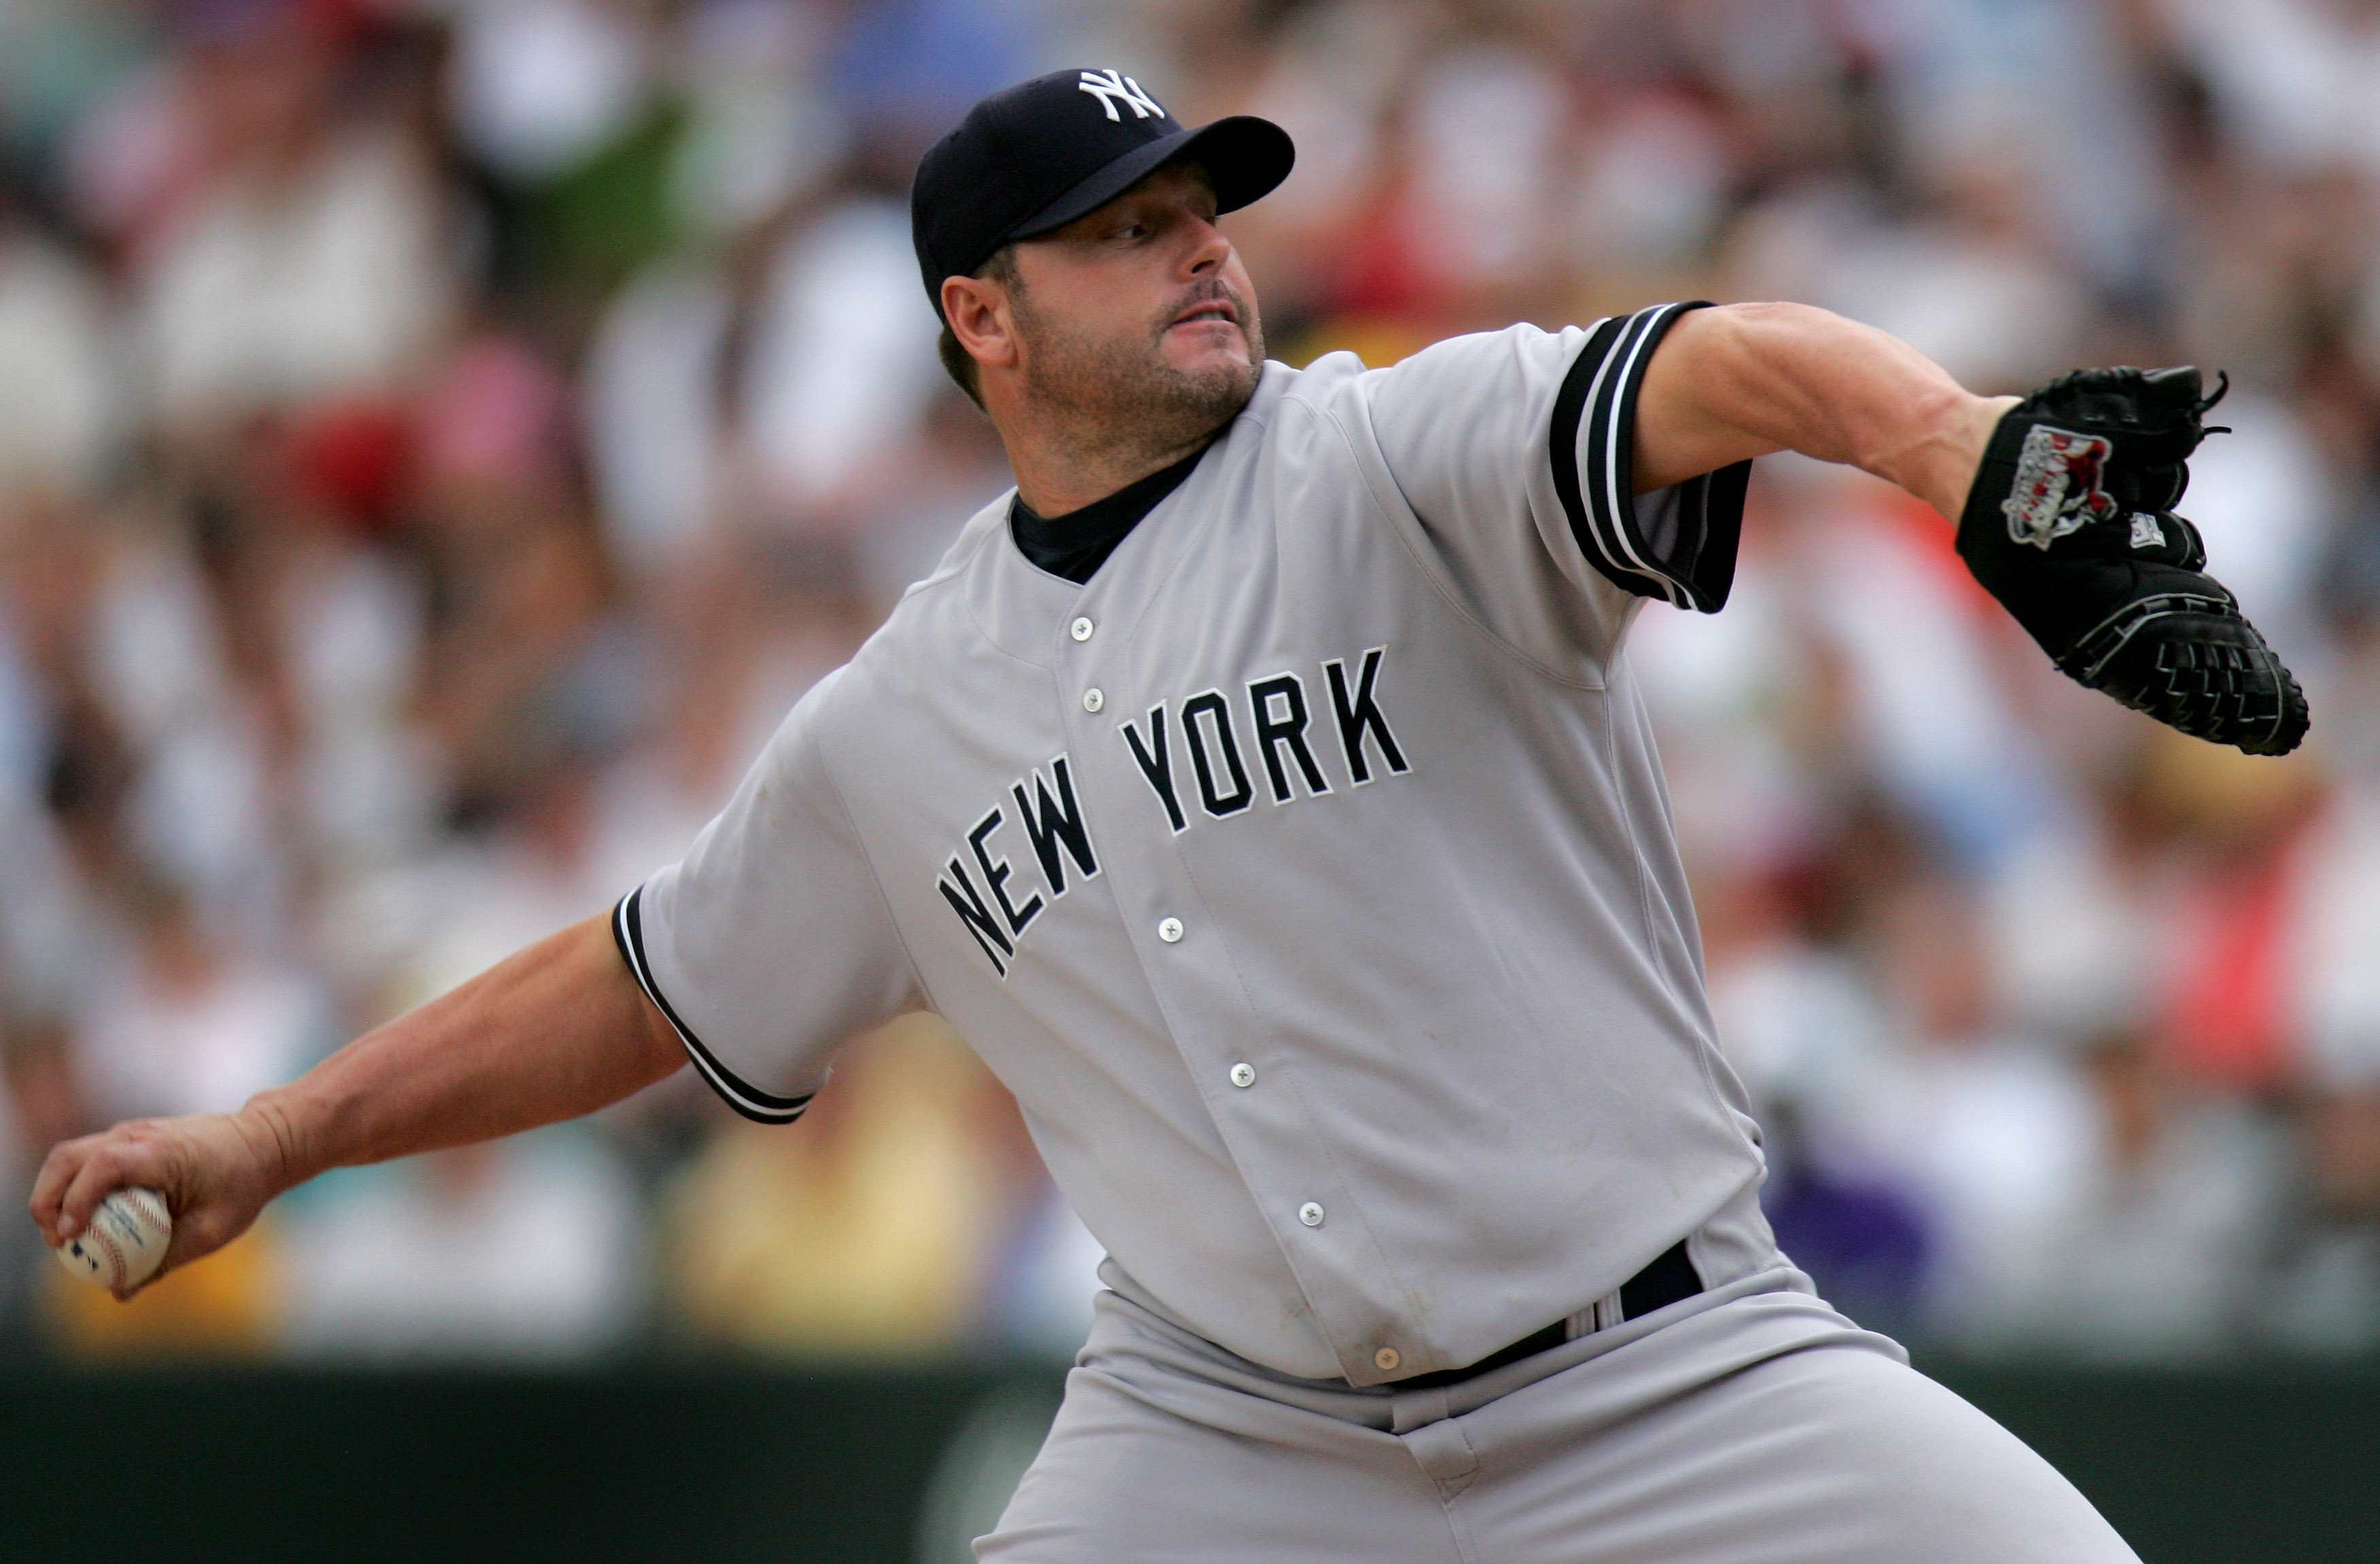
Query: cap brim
column 1245, row 157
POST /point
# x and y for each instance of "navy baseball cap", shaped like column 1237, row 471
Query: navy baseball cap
column 1036, row 156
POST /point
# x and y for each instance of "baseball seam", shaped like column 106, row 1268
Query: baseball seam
column 151, row 1214
column 114, row 1256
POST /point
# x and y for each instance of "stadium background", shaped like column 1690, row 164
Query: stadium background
column 439, row 440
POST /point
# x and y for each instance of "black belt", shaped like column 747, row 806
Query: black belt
column 1670, row 1277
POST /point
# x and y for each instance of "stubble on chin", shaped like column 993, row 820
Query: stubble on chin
column 1121, row 395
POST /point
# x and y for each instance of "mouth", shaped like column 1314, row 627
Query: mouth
column 1208, row 311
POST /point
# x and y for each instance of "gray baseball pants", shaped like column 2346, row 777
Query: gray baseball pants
column 1752, row 1424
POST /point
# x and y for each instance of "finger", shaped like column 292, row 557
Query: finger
column 59, row 1169
column 123, row 1156
column 94, row 1176
column 199, row 1230
column 124, row 1294
column 204, row 1231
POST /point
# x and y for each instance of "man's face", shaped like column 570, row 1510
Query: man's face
column 1140, row 311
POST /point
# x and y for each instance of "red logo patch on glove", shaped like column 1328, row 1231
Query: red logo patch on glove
column 2057, row 486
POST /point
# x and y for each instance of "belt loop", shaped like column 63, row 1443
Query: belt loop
column 1601, row 1314
column 1409, row 1410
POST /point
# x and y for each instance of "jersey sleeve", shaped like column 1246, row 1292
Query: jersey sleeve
column 770, row 944
column 1523, row 440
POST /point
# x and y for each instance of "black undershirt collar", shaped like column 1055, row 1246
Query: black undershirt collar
column 1075, row 545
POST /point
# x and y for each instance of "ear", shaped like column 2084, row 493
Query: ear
column 977, row 308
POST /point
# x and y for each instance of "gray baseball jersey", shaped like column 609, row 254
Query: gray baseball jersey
column 1307, row 875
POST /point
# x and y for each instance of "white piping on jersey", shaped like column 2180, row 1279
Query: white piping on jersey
column 748, row 1100
column 1641, row 327
column 1604, row 522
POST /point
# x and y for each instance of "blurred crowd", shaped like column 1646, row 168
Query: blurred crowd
column 440, row 438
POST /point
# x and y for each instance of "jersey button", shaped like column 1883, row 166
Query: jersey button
column 1081, row 629
column 1388, row 1358
column 1310, row 1214
column 1243, row 1074
column 1093, row 700
column 1170, row 931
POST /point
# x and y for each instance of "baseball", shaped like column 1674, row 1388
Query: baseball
column 125, row 1243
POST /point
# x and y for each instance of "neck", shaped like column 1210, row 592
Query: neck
column 1056, row 474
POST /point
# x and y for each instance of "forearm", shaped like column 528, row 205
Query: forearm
column 1745, row 379
column 559, row 1030
column 555, row 1031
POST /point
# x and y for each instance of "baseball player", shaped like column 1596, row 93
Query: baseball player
column 1263, row 790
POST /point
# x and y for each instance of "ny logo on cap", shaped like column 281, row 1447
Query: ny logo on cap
column 1112, row 87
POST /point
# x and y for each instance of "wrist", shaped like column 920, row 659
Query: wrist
column 272, row 1126
column 1972, row 428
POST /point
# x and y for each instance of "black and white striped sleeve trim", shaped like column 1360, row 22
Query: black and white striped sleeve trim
column 628, row 929
column 1593, row 444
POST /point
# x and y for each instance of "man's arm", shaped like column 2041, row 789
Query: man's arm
column 2063, row 500
column 1745, row 379
column 557, row 1030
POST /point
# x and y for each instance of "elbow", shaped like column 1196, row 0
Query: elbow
column 1752, row 343
column 1768, row 318
column 1776, row 332
column 1768, row 363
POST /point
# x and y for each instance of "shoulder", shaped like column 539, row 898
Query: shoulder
column 1519, row 367
column 969, row 551
column 1337, row 383
column 936, row 606
column 1515, row 360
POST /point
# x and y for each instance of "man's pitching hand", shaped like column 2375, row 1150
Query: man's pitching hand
column 2070, row 524
column 217, row 1171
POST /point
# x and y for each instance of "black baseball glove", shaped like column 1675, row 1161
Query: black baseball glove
column 2071, row 525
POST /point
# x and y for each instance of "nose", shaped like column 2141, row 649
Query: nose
column 1209, row 250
